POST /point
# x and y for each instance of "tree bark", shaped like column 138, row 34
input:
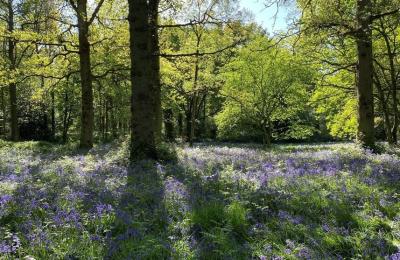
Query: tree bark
column 365, row 135
column 12, row 87
column 155, row 50
column 143, row 135
column 87, row 116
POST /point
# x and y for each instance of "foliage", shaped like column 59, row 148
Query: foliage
column 266, row 91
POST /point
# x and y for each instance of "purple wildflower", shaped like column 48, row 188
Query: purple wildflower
column 4, row 199
column 304, row 253
column 395, row 256
column 103, row 209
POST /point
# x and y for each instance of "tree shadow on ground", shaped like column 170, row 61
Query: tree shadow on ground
column 139, row 230
column 157, row 200
column 211, row 234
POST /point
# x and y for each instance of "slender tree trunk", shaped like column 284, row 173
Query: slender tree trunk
column 365, row 135
column 385, row 110
column 13, row 112
column 393, row 84
column 180, row 125
column 204, row 116
column 12, row 87
column 195, row 97
column 87, row 116
column 193, row 120
column 169, row 124
column 114, row 124
column 53, row 116
column 267, row 137
column 188, row 118
column 393, row 78
column 106, row 118
column 66, row 115
column 143, row 143
column 4, row 112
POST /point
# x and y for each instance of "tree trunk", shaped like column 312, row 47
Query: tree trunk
column 12, row 87
column 365, row 135
column 188, row 118
column 106, row 118
column 155, row 50
column 385, row 110
column 143, row 143
column 204, row 129
column 87, row 116
column 193, row 120
column 195, row 97
column 4, row 113
column 53, row 116
column 267, row 137
column 100, row 117
column 393, row 92
column 169, row 125
column 13, row 112
column 66, row 118
column 180, row 125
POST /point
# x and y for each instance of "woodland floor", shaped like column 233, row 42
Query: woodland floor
column 322, row 201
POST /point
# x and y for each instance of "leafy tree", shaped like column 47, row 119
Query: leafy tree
column 266, row 87
column 352, row 19
column 80, row 7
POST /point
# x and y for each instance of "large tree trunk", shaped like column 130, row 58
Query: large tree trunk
column 12, row 87
column 155, row 50
column 143, row 143
column 365, row 135
column 87, row 116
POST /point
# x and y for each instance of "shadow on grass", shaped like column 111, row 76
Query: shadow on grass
column 158, row 201
column 140, row 227
column 218, row 228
